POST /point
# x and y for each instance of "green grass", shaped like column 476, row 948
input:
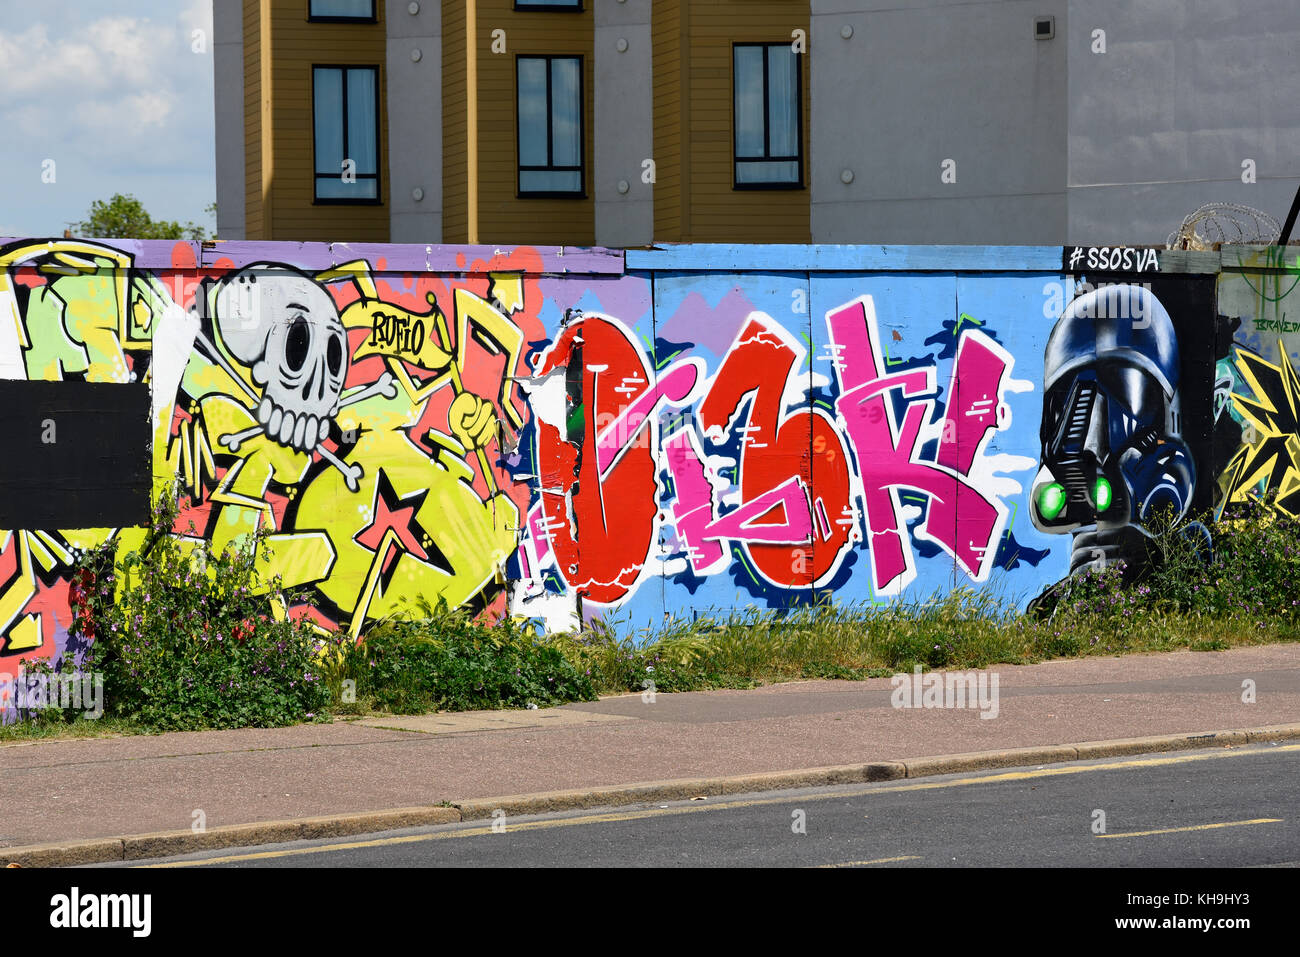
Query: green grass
column 54, row 724
column 435, row 658
column 959, row 631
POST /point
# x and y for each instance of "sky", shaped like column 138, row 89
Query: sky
column 100, row 97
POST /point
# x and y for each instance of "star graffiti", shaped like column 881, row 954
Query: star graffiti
column 395, row 525
column 1269, row 459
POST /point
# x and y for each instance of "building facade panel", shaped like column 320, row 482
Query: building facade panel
column 999, row 121
column 1173, row 105
column 948, row 117
column 228, row 110
column 623, row 185
column 414, row 107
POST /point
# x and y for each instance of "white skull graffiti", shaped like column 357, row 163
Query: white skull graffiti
column 286, row 329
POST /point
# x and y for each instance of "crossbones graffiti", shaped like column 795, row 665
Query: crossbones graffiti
column 284, row 327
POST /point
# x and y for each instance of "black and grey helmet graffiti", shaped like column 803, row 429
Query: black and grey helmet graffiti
column 1113, row 454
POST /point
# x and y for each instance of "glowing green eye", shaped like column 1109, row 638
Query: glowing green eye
column 1102, row 494
column 1051, row 500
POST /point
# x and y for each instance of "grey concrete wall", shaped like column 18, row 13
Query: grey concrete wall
column 624, row 123
column 931, row 80
column 414, row 121
column 1161, row 122
column 228, row 106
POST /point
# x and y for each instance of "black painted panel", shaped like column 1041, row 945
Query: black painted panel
column 74, row 454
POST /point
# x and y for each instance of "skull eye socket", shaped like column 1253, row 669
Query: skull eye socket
column 334, row 354
column 297, row 344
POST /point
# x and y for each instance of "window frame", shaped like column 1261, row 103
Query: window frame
column 335, row 18
column 377, row 175
column 535, row 6
column 581, row 168
column 736, row 158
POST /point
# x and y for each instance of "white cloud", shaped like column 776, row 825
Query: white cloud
column 115, row 94
column 131, row 117
column 101, row 55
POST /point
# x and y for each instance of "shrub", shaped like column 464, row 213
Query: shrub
column 1100, row 593
column 447, row 660
column 1256, row 551
column 1184, row 570
column 189, row 639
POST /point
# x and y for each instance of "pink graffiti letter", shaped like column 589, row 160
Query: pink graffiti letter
column 888, row 453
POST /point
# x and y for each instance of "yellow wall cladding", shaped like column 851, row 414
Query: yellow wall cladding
column 298, row 45
column 694, row 199
column 455, row 177
column 693, row 122
column 667, row 40
column 504, row 217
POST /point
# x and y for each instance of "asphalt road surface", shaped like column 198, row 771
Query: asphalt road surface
column 1221, row 808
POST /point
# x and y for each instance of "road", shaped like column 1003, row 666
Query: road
column 1221, row 808
column 117, row 787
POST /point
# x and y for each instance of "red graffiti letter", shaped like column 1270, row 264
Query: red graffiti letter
column 601, row 525
column 775, row 450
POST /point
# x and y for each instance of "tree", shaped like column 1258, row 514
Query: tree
column 124, row 217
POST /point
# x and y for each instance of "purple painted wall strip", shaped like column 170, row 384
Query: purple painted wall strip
column 411, row 257
column 556, row 260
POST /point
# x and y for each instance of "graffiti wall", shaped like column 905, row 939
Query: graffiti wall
column 572, row 434
column 1256, row 382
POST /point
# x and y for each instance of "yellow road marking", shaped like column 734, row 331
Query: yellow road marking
column 1197, row 827
column 879, row 860
column 722, row 805
column 445, row 835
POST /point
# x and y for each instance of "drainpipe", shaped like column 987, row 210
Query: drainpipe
column 1290, row 220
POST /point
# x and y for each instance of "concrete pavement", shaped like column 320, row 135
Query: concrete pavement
column 110, row 789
